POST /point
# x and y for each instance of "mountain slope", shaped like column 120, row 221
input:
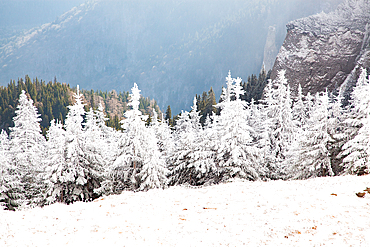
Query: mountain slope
column 327, row 50
column 314, row 212
column 171, row 49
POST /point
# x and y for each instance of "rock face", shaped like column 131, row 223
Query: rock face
column 270, row 50
column 326, row 51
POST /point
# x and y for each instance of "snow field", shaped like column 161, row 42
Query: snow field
column 276, row 213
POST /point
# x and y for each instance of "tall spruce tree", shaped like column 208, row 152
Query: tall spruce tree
column 81, row 175
column 314, row 155
column 4, row 167
column 356, row 151
column 236, row 152
column 279, row 125
column 27, row 149
column 139, row 165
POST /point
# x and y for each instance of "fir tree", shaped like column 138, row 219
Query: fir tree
column 168, row 116
column 81, row 175
column 189, row 163
column 356, row 151
column 314, row 156
column 279, row 126
column 236, row 151
column 4, row 167
column 56, row 162
column 27, row 148
column 139, row 165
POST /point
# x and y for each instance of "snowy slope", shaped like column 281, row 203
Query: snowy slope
column 277, row 213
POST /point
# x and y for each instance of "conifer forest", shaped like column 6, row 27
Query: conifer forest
column 80, row 157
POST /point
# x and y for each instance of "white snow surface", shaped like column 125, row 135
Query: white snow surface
column 275, row 213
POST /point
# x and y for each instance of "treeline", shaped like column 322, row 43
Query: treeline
column 52, row 98
column 253, row 89
column 275, row 138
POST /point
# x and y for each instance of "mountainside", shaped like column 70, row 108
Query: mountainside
column 327, row 50
column 171, row 49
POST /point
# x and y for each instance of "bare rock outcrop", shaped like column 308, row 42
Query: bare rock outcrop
column 326, row 51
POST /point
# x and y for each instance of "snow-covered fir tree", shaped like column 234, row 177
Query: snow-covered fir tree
column 314, row 154
column 164, row 136
column 192, row 159
column 236, row 151
column 82, row 173
column 55, row 161
column 279, row 127
column 357, row 150
column 94, row 142
column 139, row 165
column 27, row 149
column 107, row 134
column 4, row 167
column 299, row 110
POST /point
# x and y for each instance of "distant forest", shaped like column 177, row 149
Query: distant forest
column 52, row 99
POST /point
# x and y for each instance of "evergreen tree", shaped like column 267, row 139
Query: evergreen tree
column 356, row 151
column 314, row 156
column 168, row 116
column 236, row 151
column 56, row 162
column 163, row 134
column 189, row 162
column 27, row 148
column 139, row 165
column 4, row 167
column 81, row 175
column 279, row 126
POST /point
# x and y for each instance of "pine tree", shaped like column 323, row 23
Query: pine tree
column 279, row 126
column 163, row 135
column 356, row 151
column 27, row 148
column 314, row 156
column 236, row 151
column 139, row 165
column 169, row 115
column 4, row 167
column 56, row 162
column 81, row 175
column 189, row 162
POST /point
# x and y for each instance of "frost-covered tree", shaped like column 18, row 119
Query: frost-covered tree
column 27, row 148
column 55, row 161
column 357, row 150
column 94, row 143
column 236, row 151
column 192, row 159
column 139, row 165
column 163, row 134
column 314, row 154
column 299, row 110
column 107, row 134
column 81, row 174
column 4, row 166
column 279, row 127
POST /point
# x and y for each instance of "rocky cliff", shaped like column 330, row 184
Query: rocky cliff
column 327, row 50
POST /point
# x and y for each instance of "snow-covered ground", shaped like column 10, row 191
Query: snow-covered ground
column 276, row 213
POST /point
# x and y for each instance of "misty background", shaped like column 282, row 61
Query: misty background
column 171, row 49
